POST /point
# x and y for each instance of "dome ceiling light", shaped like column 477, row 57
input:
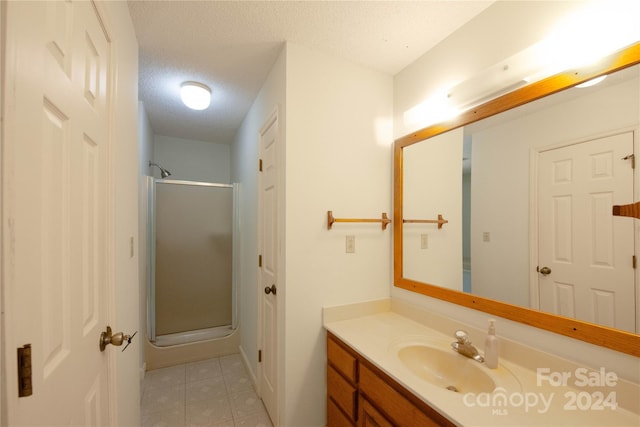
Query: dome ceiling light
column 196, row 96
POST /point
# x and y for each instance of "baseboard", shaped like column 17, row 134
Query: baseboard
column 247, row 366
column 143, row 370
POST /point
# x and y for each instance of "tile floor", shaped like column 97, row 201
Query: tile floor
column 213, row 393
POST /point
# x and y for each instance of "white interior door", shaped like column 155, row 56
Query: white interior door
column 588, row 252
column 268, row 271
column 55, row 211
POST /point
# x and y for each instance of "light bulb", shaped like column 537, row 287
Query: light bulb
column 196, row 96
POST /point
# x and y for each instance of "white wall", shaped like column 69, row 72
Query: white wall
column 244, row 161
column 125, row 173
column 499, row 32
column 502, row 30
column 192, row 160
column 338, row 157
column 438, row 162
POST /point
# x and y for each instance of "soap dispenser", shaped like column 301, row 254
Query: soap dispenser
column 491, row 346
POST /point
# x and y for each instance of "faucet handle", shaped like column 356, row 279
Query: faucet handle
column 462, row 337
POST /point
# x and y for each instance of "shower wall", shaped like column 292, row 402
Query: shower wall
column 193, row 256
column 193, row 160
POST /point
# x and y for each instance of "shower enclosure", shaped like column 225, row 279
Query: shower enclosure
column 192, row 233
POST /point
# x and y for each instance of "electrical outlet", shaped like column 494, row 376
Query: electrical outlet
column 486, row 236
column 424, row 241
column 350, row 245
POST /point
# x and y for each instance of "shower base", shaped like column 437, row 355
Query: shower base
column 193, row 336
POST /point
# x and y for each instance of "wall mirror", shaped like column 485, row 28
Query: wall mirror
column 508, row 242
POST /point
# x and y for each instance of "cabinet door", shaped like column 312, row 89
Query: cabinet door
column 370, row 417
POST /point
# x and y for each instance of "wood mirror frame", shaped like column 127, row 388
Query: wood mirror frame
column 614, row 339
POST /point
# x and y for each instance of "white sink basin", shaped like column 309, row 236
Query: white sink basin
column 447, row 369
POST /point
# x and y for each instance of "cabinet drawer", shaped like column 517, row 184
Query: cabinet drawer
column 342, row 360
column 335, row 417
column 342, row 393
column 394, row 404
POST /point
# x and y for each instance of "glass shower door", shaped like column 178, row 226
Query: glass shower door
column 193, row 271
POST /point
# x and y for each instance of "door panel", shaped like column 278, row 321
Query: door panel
column 268, row 273
column 56, row 202
column 588, row 251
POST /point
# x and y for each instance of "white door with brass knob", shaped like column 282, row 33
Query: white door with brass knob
column 56, row 212
column 268, row 244
column 585, row 255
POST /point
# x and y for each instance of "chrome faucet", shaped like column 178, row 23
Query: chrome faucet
column 465, row 348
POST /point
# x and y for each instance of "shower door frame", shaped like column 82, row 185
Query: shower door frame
column 151, row 248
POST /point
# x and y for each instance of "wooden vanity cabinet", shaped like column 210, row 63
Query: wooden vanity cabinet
column 342, row 383
column 359, row 394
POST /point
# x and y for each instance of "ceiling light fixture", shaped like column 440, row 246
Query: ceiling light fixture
column 196, row 96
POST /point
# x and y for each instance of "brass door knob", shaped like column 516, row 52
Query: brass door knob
column 107, row 337
column 270, row 290
column 544, row 271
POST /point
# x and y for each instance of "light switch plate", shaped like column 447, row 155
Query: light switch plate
column 350, row 244
column 424, row 241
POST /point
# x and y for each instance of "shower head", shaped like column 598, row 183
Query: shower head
column 163, row 172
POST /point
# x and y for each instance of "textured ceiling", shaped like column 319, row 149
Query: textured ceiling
column 232, row 45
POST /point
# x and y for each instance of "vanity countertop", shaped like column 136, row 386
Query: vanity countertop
column 579, row 397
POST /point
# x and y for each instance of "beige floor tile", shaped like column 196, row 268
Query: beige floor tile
column 245, row 403
column 159, row 378
column 211, row 393
column 205, row 369
column 165, row 418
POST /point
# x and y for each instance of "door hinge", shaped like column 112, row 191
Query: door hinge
column 634, row 262
column 631, row 157
column 25, row 385
column 259, row 356
column 259, row 260
column 260, row 165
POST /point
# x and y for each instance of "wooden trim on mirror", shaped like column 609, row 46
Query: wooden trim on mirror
column 615, row 339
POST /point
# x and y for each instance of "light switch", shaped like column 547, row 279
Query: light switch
column 350, row 244
column 424, row 241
